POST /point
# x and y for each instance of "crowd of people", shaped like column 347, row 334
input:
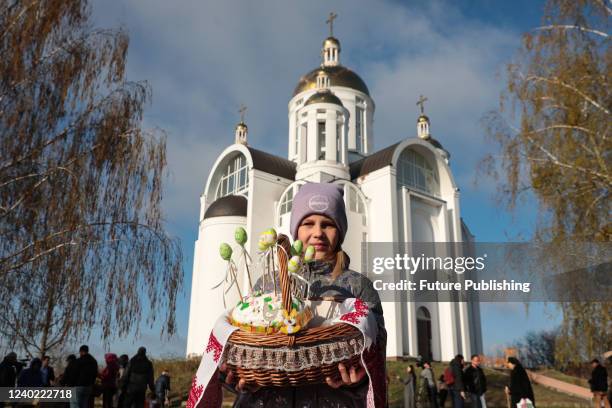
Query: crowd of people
column 122, row 383
column 465, row 386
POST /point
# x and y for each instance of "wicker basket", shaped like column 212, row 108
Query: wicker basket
column 307, row 357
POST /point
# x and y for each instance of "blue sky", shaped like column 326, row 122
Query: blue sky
column 204, row 58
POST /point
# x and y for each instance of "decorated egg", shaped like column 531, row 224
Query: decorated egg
column 268, row 238
column 297, row 247
column 310, row 253
column 294, row 264
column 225, row 251
column 240, row 235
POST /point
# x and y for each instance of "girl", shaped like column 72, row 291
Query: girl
column 318, row 218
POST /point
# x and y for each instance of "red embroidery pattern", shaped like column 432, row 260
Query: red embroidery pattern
column 361, row 310
column 375, row 363
column 194, row 393
column 215, row 347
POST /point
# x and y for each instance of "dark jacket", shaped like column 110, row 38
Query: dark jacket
column 86, row 371
column 475, row 380
column 520, row 386
column 50, row 377
column 69, row 378
column 8, row 373
column 349, row 284
column 162, row 386
column 457, row 370
column 30, row 377
column 140, row 374
column 599, row 379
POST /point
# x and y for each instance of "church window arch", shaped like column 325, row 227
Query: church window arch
column 356, row 202
column 235, row 178
column 286, row 201
column 416, row 172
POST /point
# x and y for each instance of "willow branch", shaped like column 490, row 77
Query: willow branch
column 571, row 27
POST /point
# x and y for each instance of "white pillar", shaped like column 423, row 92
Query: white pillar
column 330, row 135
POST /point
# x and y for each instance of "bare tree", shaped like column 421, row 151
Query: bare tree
column 560, row 150
column 82, row 242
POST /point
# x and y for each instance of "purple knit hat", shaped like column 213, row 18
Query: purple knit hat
column 319, row 198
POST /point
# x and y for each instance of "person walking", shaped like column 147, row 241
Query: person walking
column 453, row 376
column 162, row 387
column 48, row 374
column 520, row 387
column 31, row 376
column 475, row 382
column 108, row 378
column 139, row 376
column 429, row 383
column 599, row 384
column 409, row 387
column 85, row 374
column 442, row 391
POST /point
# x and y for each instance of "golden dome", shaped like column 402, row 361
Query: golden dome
column 323, row 97
column 422, row 118
column 331, row 42
column 338, row 75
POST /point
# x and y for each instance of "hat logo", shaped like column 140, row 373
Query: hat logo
column 318, row 203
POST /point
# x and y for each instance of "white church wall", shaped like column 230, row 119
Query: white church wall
column 208, row 270
column 379, row 188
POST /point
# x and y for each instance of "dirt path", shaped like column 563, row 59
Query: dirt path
column 561, row 386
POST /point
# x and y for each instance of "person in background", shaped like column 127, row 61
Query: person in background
column 108, row 378
column 31, row 376
column 9, row 369
column 68, row 377
column 86, row 372
column 430, row 383
column 475, row 382
column 599, row 384
column 162, row 387
column 442, row 391
column 48, row 374
column 124, row 360
column 520, row 386
column 409, row 387
column 453, row 376
column 139, row 377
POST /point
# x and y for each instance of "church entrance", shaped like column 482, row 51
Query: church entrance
column 424, row 333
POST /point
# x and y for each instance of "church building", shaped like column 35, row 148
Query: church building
column 402, row 193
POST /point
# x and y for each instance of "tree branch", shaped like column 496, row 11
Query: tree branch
column 571, row 27
column 567, row 86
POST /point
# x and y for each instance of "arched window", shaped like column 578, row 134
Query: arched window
column 414, row 171
column 286, row 201
column 235, row 178
column 355, row 202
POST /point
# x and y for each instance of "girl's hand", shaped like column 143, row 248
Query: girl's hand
column 230, row 377
column 347, row 377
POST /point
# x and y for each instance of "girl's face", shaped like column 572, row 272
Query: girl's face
column 320, row 232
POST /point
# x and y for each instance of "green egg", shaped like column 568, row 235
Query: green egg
column 225, row 251
column 297, row 247
column 241, row 236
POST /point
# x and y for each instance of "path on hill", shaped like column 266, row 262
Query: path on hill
column 562, row 386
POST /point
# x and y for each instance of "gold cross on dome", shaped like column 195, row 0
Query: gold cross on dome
column 330, row 21
column 241, row 111
column 421, row 103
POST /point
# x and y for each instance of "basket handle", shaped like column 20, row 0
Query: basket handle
column 285, row 283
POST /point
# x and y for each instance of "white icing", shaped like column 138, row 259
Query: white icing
column 262, row 311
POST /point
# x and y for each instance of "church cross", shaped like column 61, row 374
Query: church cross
column 330, row 21
column 241, row 111
column 421, row 103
